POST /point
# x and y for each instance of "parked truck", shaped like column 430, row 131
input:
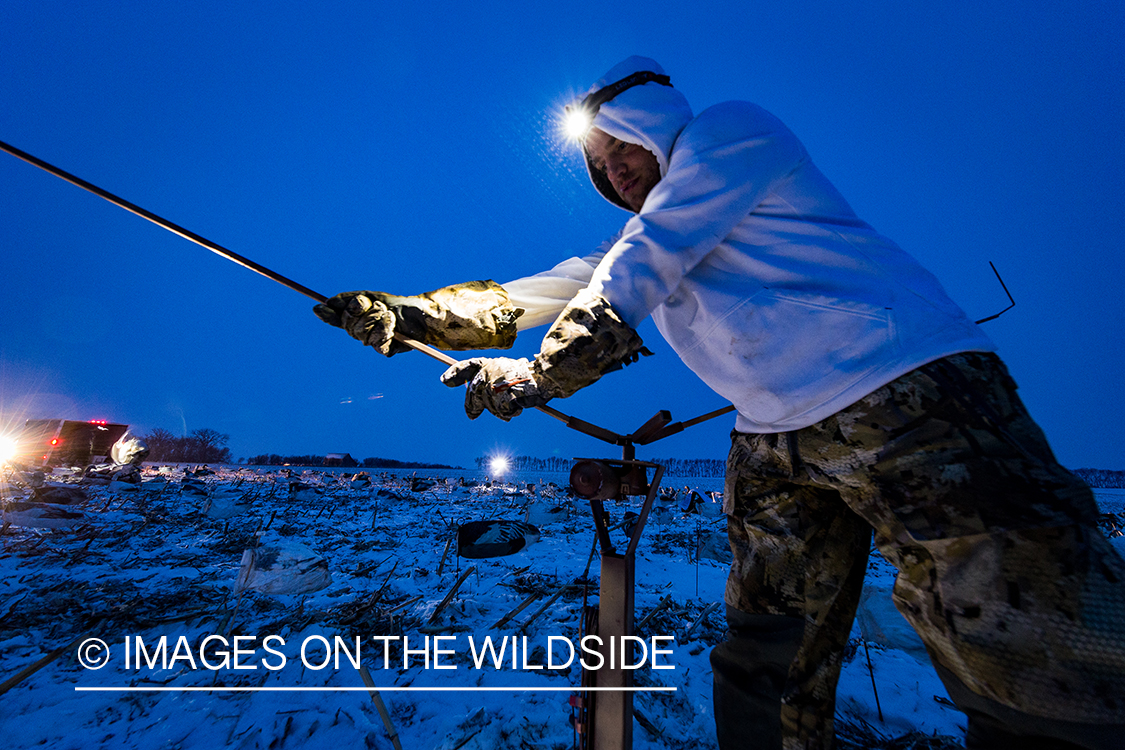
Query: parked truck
column 66, row 442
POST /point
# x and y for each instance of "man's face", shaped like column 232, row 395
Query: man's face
column 632, row 170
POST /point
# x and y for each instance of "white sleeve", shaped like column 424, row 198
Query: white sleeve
column 724, row 164
column 544, row 295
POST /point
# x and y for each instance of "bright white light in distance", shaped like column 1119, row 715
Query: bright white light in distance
column 7, row 448
column 498, row 465
column 577, row 123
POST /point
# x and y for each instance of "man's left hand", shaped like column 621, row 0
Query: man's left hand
column 500, row 385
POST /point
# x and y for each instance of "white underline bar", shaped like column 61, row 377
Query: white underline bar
column 165, row 689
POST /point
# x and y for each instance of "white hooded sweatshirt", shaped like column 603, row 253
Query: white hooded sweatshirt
column 754, row 267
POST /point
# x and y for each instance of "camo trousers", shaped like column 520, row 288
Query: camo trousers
column 1001, row 567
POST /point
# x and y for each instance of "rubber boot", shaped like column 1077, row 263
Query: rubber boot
column 750, row 669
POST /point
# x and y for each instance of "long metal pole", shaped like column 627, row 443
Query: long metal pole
column 213, row 247
column 161, row 222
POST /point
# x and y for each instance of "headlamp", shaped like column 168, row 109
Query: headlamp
column 580, row 117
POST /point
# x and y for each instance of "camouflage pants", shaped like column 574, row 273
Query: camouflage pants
column 1001, row 567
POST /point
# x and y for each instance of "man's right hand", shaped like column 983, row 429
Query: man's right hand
column 473, row 315
column 500, row 385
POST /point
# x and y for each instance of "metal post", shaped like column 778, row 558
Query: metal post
column 613, row 720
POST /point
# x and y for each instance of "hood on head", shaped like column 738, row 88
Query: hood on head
column 650, row 115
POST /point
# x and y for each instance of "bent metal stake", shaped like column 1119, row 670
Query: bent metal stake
column 604, row 722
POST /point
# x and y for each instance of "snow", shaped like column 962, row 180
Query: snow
column 152, row 564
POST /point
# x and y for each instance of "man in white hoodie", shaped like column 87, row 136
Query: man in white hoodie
column 866, row 401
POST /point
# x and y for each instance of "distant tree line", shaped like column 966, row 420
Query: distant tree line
column 1101, row 477
column 273, row 459
column 390, row 463
column 201, row 446
column 693, row 467
column 679, row 467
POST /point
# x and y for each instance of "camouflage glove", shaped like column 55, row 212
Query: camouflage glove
column 502, row 386
column 588, row 340
column 473, row 315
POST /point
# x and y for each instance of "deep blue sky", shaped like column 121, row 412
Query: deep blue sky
column 372, row 145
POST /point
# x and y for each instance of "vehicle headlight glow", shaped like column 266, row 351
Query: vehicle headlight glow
column 7, row 448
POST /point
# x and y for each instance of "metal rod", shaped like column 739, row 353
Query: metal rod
column 161, row 222
column 709, row 415
column 1010, row 298
column 871, row 671
column 203, row 242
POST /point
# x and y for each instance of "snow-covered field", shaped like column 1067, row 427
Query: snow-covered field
column 169, row 561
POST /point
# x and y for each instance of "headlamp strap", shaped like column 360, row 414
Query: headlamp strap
column 603, row 95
